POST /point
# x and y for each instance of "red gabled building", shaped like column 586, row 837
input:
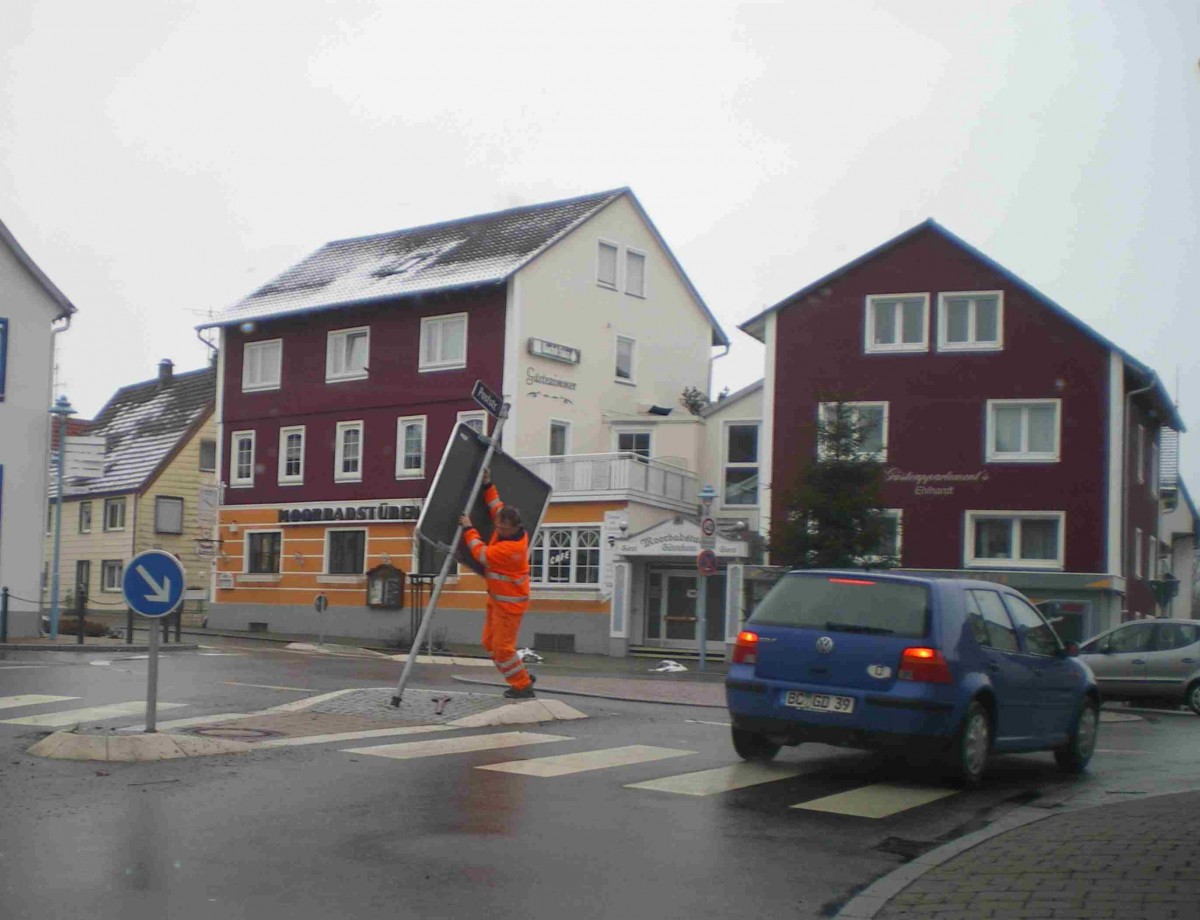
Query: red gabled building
column 1019, row 444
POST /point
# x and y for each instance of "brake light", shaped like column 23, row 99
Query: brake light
column 925, row 665
column 745, row 650
column 851, row 581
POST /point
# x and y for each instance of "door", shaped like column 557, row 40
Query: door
column 1002, row 662
column 1056, row 678
column 1174, row 659
column 1118, row 659
column 671, row 614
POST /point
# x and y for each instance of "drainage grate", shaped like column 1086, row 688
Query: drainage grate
column 231, row 733
column 554, row 642
column 256, row 627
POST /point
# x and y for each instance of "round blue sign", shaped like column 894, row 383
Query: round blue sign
column 153, row 583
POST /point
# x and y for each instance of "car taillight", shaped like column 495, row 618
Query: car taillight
column 745, row 650
column 925, row 665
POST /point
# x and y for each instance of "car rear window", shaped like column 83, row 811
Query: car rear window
column 846, row 604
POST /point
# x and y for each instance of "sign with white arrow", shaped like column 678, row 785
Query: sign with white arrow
column 153, row 583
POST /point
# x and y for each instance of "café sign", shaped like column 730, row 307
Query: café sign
column 555, row 352
column 675, row 538
column 337, row 513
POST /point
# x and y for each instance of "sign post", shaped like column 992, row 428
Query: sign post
column 321, row 604
column 498, row 408
column 153, row 587
column 706, row 564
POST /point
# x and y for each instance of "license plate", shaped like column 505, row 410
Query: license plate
column 819, row 702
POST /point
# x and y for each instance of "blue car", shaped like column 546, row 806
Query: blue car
column 953, row 668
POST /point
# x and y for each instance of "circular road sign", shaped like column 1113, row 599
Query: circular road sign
column 708, row 527
column 320, row 603
column 153, row 583
column 706, row 562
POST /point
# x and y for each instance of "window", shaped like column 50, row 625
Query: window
column 741, row 464
column 410, row 447
column 345, row 552
column 263, row 549
column 1153, row 468
column 635, row 273
column 1027, row 539
column 347, row 466
column 50, row 516
column 241, row 467
column 443, row 342
column 111, row 573
column 1137, row 552
column 1136, row 637
column 3, row 354
column 625, row 353
column 114, row 514
column 1036, row 635
column 291, row 455
column 85, row 517
column 565, row 556
column 634, row 442
column 1023, row 431
column 606, row 265
column 168, row 514
column 1141, row 453
column 560, row 438
column 476, row 420
column 346, row 354
column 989, row 621
column 970, row 321
column 889, row 546
column 261, row 364
column 868, row 419
column 1170, row 636
column 208, row 456
column 897, row 322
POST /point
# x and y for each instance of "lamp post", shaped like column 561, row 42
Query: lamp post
column 61, row 410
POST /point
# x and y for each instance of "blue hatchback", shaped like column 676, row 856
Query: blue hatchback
column 949, row 667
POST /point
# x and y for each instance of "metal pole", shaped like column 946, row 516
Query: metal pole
column 129, row 626
column 702, row 614
column 152, row 681
column 4, row 614
column 81, row 609
column 58, row 503
column 446, row 563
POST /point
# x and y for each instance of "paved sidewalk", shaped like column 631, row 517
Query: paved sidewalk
column 1133, row 860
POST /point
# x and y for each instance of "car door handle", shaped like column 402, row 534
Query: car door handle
column 1138, row 661
column 1188, row 660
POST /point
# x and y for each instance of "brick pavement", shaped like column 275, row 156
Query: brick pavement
column 1131, row 860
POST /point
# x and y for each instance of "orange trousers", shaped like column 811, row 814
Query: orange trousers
column 500, row 640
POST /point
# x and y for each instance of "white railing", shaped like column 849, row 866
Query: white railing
column 582, row 477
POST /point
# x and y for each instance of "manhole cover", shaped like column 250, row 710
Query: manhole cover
column 233, row 734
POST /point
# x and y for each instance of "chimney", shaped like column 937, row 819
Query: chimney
column 165, row 368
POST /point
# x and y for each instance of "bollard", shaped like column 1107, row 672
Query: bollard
column 178, row 624
column 80, row 610
column 129, row 626
column 3, row 614
column 166, row 629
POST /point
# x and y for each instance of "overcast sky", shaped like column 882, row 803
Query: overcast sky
column 163, row 158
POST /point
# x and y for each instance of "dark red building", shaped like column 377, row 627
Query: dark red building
column 1018, row 444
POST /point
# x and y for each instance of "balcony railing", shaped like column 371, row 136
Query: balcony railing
column 617, row 476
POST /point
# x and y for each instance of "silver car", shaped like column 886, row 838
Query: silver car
column 1148, row 660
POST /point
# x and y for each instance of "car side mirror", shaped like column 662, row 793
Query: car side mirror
column 1071, row 649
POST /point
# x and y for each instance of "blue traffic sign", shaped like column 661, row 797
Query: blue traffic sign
column 153, row 583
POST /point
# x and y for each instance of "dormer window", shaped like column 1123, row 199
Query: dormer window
column 897, row 323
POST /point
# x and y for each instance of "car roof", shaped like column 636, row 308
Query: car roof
column 930, row 580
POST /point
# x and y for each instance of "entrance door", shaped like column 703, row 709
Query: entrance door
column 671, row 619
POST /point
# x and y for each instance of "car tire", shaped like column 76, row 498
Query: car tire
column 753, row 746
column 1082, row 744
column 972, row 743
column 1192, row 697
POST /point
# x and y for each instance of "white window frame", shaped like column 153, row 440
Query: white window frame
column 566, row 426
column 633, row 429
column 1154, row 467
column 424, row 364
column 1025, row 456
column 1137, row 552
column 726, row 464
column 882, row 453
column 401, row 422
column 107, row 565
column 472, row 415
column 334, row 348
column 329, row 531
column 339, row 446
column 616, row 251
column 234, row 481
column 115, row 503
column 632, row 379
column 296, row 479
column 638, row 253
column 573, row 549
column 247, row 349
column 869, row 344
column 88, row 528
column 158, row 500
column 246, row 551
column 970, row 560
column 897, row 514
column 212, row 467
column 972, row 344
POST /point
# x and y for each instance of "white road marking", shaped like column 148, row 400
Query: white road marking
column 564, row 764
column 18, row 667
column 722, row 779
column 877, row 801
column 234, row 683
column 1118, row 751
column 100, row 663
column 456, row 745
column 704, row 722
column 31, row 699
column 355, row 736
column 92, row 714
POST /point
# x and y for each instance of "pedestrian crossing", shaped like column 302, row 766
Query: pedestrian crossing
column 61, row 718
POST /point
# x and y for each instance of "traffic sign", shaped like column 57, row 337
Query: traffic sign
column 490, row 400
column 321, row 603
column 153, row 583
column 706, row 562
column 708, row 527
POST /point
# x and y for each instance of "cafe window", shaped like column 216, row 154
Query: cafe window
column 565, row 556
column 345, row 552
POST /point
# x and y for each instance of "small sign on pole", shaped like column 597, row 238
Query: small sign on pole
column 153, row 587
column 487, row 398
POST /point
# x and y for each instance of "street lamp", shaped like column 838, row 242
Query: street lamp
column 61, row 410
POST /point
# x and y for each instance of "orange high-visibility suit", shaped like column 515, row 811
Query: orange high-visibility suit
column 507, row 572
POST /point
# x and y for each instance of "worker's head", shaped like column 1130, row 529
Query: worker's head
column 508, row 521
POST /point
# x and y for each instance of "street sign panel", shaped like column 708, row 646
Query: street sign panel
column 321, row 603
column 153, row 583
column 706, row 562
column 490, row 400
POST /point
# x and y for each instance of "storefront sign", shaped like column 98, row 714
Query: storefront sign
column 676, row 538
column 555, row 352
column 533, row 377
column 384, row 511
column 934, row 483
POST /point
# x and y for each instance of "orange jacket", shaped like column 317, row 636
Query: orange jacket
column 506, row 561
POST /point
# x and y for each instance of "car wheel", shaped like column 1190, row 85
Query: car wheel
column 1075, row 756
column 969, row 752
column 752, row 746
column 1193, row 697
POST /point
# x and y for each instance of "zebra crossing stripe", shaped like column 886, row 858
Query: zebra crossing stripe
column 92, row 714
column 462, row 745
column 722, row 779
column 564, row 764
column 880, row 800
column 31, row 699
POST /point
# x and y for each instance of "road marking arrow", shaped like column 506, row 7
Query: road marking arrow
column 161, row 593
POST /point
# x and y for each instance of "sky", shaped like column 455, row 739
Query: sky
column 161, row 159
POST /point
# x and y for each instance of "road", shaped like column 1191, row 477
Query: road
column 636, row 824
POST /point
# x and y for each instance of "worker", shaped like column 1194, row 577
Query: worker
column 505, row 559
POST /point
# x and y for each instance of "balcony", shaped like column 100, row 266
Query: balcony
column 617, row 477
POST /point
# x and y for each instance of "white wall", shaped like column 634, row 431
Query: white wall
column 747, row 409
